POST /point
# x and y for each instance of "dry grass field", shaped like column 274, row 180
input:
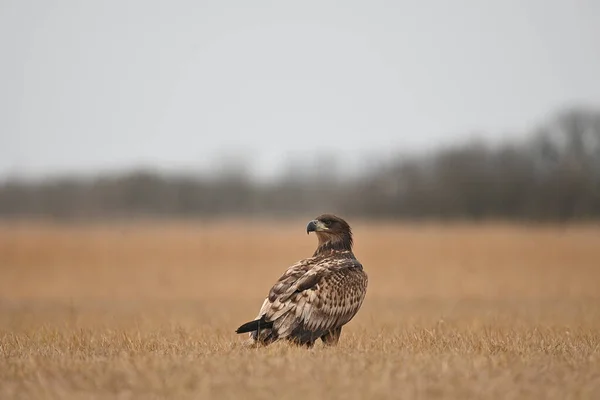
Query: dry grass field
column 148, row 311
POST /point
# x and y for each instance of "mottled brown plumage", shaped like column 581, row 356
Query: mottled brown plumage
column 316, row 296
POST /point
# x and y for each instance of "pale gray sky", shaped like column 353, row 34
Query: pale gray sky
column 109, row 84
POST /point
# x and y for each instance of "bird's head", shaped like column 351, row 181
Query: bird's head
column 332, row 231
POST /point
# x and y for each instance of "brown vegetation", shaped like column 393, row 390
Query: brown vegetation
column 149, row 310
column 553, row 174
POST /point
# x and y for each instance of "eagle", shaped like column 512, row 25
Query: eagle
column 315, row 297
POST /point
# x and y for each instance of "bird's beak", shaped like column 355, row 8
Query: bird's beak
column 315, row 226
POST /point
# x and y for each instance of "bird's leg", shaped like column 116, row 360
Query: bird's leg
column 332, row 337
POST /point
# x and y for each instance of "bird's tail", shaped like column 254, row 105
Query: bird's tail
column 255, row 325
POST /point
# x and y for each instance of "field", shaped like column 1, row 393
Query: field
column 148, row 310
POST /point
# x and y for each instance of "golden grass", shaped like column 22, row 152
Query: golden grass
column 148, row 310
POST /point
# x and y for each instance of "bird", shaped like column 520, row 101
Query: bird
column 316, row 296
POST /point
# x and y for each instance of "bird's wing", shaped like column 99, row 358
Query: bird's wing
column 273, row 307
column 315, row 297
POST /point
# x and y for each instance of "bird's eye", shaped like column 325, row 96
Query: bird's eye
column 327, row 222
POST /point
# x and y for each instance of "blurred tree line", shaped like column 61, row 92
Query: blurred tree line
column 552, row 174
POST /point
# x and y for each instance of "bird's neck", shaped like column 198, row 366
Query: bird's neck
column 329, row 244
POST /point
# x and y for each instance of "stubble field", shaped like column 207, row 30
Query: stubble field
column 148, row 310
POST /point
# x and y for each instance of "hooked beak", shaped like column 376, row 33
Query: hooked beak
column 314, row 226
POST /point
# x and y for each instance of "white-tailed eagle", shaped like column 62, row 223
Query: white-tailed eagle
column 316, row 296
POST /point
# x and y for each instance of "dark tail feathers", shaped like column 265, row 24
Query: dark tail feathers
column 255, row 325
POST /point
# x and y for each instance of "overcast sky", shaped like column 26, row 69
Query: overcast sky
column 104, row 85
